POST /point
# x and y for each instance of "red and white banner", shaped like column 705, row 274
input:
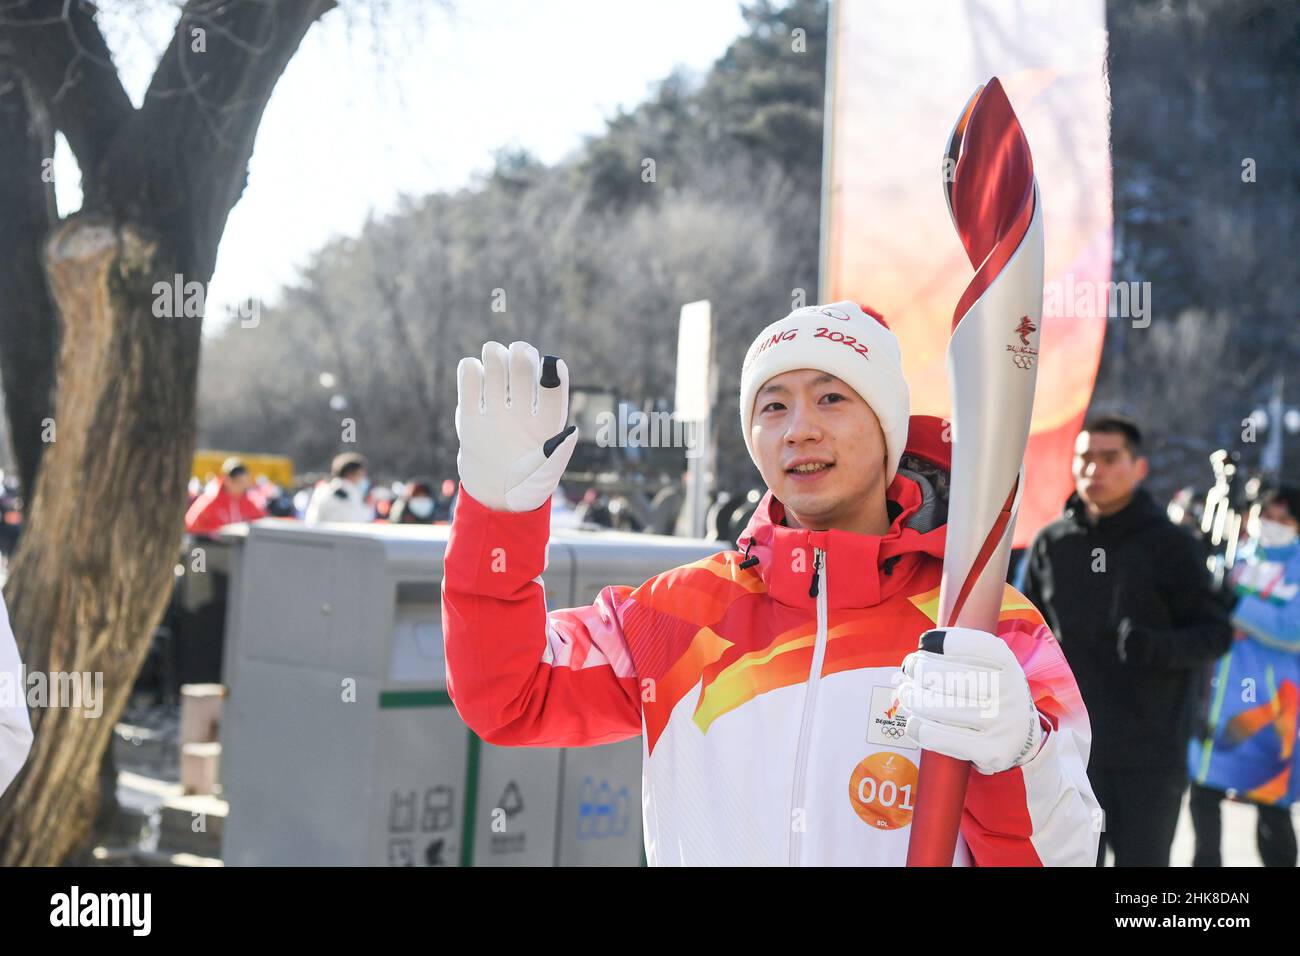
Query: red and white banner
column 896, row 70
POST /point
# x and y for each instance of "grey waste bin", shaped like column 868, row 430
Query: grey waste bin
column 341, row 745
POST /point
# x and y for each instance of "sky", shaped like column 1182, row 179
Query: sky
column 414, row 104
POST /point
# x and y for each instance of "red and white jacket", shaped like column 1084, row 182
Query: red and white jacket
column 217, row 507
column 763, row 711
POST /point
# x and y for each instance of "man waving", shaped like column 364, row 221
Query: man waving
column 778, row 689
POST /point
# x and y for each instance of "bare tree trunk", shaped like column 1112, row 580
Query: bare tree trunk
column 407, row 348
column 93, row 572
column 102, row 561
column 28, row 332
column 347, row 377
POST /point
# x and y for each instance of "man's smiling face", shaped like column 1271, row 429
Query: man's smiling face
column 821, row 450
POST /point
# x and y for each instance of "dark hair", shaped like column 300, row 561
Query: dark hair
column 1287, row 495
column 419, row 484
column 1117, row 425
column 347, row 464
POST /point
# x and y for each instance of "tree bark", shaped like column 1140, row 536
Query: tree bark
column 93, row 572
column 28, row 331
column 93, row 575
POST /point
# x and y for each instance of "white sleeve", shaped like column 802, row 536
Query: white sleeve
column 15, row 725
column 313, row 515
column 358, row 511
column 329, row 509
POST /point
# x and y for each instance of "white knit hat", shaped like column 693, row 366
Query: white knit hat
column 845, row 341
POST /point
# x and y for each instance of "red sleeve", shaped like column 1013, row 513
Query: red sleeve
column 518, row 675
column 1042, row 813
column 202, row 518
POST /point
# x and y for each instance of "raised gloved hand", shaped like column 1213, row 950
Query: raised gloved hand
column 510, row 414
column 965, row 695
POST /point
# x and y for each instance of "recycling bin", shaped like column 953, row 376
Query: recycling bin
column 341, row 745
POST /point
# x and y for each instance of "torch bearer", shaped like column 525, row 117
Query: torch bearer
column 992, row 367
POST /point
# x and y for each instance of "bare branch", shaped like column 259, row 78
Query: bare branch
column 59, row 49
column 187, row 159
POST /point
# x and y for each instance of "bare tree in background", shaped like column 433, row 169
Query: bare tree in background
column 1208, row 224
column 99, row 390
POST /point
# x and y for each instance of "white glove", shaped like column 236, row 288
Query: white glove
column 510, row 415
column 965, row 695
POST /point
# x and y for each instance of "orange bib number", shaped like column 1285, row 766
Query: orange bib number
column 882, row 790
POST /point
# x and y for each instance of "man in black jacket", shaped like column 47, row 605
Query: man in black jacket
column 1128, row 595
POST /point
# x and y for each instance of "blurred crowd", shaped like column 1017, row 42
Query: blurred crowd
column 349, row 496
column 346, row 495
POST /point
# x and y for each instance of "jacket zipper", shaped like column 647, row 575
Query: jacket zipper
column 818, row 590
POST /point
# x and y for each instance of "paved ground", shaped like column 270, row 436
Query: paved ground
column 1238, row 836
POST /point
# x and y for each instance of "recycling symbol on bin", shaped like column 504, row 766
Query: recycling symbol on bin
column 602, row 811
column 512, row 802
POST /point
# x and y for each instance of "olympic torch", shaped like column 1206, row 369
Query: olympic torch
column 992, row 367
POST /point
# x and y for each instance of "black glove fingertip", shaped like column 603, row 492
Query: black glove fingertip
column 550, row 373
column 932, row 641
column 553, row 443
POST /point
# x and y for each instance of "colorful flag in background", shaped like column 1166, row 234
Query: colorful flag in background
column 895, row 71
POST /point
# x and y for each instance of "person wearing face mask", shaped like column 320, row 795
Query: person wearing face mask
column 343, row 497
column 1127, row 592
column 444, row 507
column 416, row 505
column 1247, row 748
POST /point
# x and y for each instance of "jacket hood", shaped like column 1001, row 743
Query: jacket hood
column 861, row 569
